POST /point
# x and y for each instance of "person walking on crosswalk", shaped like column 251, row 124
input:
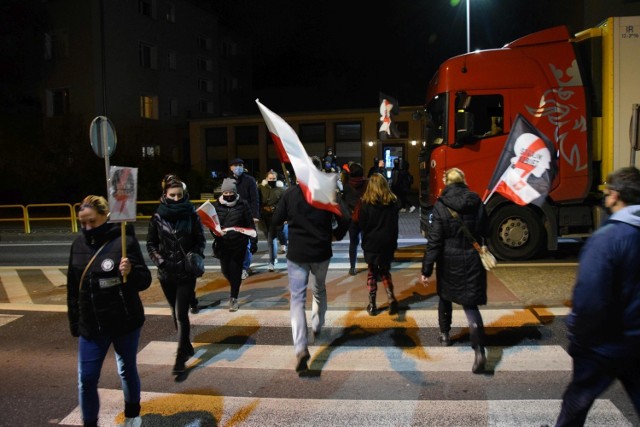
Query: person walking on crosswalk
column 311, row 232
column 103, row 308
column 378, row 220
column 174, row 231
column 461, row 277
column 230, row 248
column 604, row 323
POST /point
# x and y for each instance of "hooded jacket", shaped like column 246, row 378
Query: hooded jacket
column 461, row 277
column 605, row 314
column 102, row 304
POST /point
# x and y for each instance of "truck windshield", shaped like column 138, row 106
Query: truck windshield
column 436, row 120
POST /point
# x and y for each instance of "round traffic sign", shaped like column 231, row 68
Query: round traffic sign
column 103, row 136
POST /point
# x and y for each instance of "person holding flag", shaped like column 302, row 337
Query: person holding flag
column 175, row 230
column 237, row 232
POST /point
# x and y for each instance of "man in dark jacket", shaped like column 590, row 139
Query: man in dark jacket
column 311, row 231
column 248, row 191
column 604, row 324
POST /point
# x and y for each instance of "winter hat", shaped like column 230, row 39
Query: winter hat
column 237, row 161
column 356, row 170
column 229, row 185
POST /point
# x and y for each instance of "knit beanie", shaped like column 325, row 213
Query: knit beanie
column 229, row 185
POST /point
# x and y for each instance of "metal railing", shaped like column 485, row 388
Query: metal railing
column 26, row 213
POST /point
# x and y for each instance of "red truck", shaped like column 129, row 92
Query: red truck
column 578, row 90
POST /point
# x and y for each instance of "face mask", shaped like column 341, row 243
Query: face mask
column 272, row 184
column 238, row 170
column 228, row 198
column 90, row 234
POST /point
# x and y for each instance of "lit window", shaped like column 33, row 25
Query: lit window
column 149, row 107
column 150, row 151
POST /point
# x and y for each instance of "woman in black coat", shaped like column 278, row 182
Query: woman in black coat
column 174, row 231
column 461, row 277
column 104, row 309
column 378, row 220
column 231, row 247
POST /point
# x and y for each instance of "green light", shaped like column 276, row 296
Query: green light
column 454, row 3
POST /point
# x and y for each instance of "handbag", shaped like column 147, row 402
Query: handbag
column 486, row 257
column 193, row 262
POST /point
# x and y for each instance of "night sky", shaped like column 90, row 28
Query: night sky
column 340, row 54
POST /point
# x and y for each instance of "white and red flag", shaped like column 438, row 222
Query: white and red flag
column 319, row 188
column 209, row 217
column 388, row 108
column 527, row 166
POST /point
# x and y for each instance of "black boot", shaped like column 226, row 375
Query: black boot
column 393, row 303
column 371, row 308
column 444, row 339
column 480, row 360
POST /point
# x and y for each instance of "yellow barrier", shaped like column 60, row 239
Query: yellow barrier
column 71, row 217
column 26, row 219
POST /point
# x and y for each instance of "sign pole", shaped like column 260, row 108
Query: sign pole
column 123, row 234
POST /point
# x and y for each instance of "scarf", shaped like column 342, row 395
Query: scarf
column 178, row 214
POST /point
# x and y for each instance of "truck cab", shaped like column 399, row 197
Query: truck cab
column 472, row 102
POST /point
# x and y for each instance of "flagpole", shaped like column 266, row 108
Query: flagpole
column 286, row 174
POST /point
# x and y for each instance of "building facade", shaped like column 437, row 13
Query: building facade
column 351, row 134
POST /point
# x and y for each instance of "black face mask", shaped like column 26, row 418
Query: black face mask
column 229, row 199
column 272, row 184
column 91, row 234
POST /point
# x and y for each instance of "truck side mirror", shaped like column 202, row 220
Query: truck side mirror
column 464, row 128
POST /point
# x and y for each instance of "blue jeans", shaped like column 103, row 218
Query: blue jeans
column 298, row 280
column 592, row 375
column 91, row 354
column 248, row 257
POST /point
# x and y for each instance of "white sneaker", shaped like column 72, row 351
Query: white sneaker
column 412, row 208
column 233, row 304
column 283, row 249
column 270, row 267
column 403, row 210
column 245, row 274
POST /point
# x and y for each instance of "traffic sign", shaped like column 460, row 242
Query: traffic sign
column 103, row 136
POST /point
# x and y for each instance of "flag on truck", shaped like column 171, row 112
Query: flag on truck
column 527, row 166
column 388, row 108
column 319, row 188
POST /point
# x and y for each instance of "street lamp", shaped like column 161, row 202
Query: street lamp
column 468, row 26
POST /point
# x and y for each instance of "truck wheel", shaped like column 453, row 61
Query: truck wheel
column 515, row 233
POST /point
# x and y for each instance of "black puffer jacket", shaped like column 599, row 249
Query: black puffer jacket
column 460, row 275
column 168, row 242
column 102, row 304
column 238, row 215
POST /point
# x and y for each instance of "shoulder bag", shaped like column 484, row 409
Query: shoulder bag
column 487, row 258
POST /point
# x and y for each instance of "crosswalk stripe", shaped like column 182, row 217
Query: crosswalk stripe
column 8, row 318
column 195, row 410
column 13, row 286
column 55, row 276
column 343, row 318
column 360, row 358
